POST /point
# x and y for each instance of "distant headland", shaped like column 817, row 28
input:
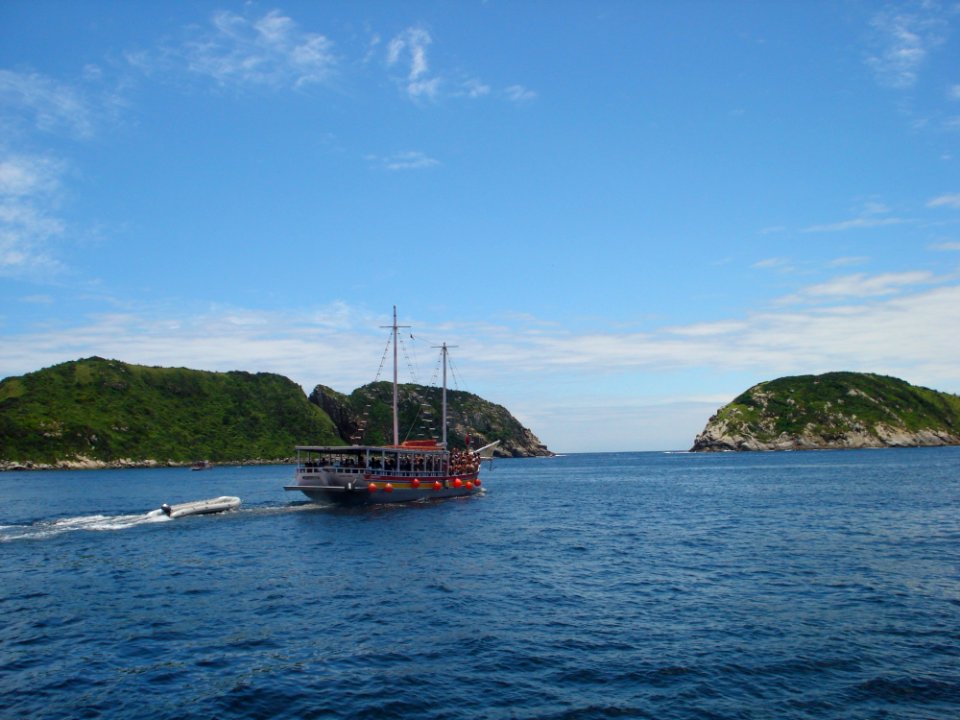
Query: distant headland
column 95, row 413
column 833, row 410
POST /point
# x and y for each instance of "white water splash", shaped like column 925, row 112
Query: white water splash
column 43, row 529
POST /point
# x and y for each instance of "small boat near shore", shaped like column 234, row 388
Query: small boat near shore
column 220, row 504
column 400, row 472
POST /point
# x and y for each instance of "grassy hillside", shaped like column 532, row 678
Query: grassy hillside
column 842, row 409
column 109, row 410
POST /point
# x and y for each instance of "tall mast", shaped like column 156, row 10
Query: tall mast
column 443, row 353
column 396, row 422
column 396, row 402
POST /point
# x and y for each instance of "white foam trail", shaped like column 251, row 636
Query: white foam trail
column 50, row 528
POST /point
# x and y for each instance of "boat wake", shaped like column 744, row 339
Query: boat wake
column 43, row 529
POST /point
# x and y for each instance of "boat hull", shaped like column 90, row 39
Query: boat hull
column 360, row 490
column 362, row 496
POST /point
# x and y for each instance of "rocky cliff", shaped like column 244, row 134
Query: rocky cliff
column 365, row 417
column 833, row 410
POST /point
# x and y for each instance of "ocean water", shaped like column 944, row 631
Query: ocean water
column 647, row 585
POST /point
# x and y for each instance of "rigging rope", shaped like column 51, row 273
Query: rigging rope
column 365, row 418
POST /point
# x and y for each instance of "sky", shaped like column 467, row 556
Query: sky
column 621, row 215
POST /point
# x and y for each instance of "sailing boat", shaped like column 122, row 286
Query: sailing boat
column 401, row 472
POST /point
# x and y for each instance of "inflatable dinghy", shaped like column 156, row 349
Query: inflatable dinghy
column 201, row 507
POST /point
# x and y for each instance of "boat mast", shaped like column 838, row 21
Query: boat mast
column 396, row 422
column 443, row 352
column 444, row 348
column 396, row 403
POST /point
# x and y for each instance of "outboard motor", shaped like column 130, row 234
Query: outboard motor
column 166, row 509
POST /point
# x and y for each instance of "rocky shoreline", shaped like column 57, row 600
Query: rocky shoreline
column 85, row 463
column 719, row 439
column 832, row 411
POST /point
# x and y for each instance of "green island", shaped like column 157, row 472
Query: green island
column 833, row 410
column 95, row 412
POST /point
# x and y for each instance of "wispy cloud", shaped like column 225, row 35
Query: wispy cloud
column 474, row 88
column 951, row 200
column 847, row 261
column 303, row 346
column 896, row 321
column 520, row 94
column 44, row 104
column 408, row 49
column 722, row 327
column 860, row 285
column 854, row 224
column 780, row 264
column 901, row 334
column 270, row 51
column 871, row 214
column 408, row 52
column 406, row 160
column 904, row 34
column 29, row 194
column 38, row 110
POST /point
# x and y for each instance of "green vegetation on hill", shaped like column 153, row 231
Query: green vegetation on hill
column 838, row 409
column 107, row 410
column 365, row 416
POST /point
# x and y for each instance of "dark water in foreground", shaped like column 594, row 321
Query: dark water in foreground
column 794, row 585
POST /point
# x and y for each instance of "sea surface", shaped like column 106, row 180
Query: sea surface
column 629, row 585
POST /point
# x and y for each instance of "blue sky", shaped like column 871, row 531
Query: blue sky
column 623, row 214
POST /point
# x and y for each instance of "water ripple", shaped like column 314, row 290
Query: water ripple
column 680, row 586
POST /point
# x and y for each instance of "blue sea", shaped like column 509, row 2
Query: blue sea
column 627, row 585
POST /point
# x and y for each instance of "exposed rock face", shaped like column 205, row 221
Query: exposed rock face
column 834, row 410
column 337, row 406
column 365, row 417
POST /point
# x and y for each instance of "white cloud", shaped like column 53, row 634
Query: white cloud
column 868, row 214
column 904, row 35
column 782, row 264
column 949, row 246
column 334, row 345
column 530, row 366
column 861, row 285
column 45, row 104
column 28, row 175
column 772, row 230
column 267, row 51
column 37, row 299
column 951, row 200
column 897, row 325
column 406, row 160
column 518, row 93
column 846, row 261
column 29, row 190
column 474, row 88
column 722, row 327
column 859, row 223
column 409, row 49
